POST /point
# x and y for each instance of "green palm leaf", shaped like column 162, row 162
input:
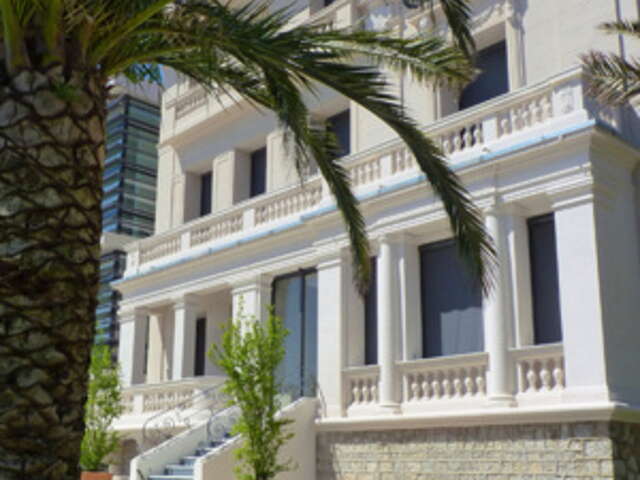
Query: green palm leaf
column 614, row 79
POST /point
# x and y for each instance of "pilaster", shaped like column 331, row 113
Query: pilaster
column 335, row 292
column 252, row 297
column 131, row 347
column 580, row 295
column 184, row 339
column 281, row 170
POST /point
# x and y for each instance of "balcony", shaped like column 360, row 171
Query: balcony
column 457, row 383
column 471, row 138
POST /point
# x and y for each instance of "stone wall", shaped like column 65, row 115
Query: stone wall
column 577, row 451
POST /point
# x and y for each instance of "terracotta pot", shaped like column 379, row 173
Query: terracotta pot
column 96, row 476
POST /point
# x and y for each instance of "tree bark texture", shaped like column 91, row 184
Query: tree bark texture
column 51, row 156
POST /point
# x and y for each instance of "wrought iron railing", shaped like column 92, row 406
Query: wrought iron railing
column 199, row 408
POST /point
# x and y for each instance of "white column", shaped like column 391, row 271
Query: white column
column 388, row 323
column 335, row 289
column 252, row 297
column 184, row 338
column 131, row 347
column 497, row 316
column 155, row 352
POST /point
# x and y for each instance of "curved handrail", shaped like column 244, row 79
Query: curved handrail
column 161, row 426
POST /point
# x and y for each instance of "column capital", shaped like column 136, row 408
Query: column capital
column 587, row 192
column 397, row 238
column 185, row 301
column 333, row 259
column 251, row 283
column 126, row 315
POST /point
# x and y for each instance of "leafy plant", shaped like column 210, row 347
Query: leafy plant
column 614, row 78
column 104, row 405
column 249, row 354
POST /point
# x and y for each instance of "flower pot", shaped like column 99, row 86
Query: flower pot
column 96, row 476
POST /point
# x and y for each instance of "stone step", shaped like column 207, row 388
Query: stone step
column 179, row 470
column 189, row 460
column 170, row 477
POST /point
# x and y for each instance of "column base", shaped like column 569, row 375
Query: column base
column 501, row 401
column 389, row 408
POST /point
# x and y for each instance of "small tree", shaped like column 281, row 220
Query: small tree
column 104, row 405
column 250, row 354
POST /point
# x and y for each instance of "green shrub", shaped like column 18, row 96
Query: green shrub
column 104, row 405
column 250, row 354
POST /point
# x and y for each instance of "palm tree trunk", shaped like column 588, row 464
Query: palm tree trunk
column 51, row 156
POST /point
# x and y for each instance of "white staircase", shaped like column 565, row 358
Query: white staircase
column 206, row 450
column 184, row 470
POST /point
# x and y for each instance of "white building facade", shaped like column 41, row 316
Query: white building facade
column 424, row 378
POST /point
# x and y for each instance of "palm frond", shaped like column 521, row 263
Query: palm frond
column 253, row 52
column 623, row 27
column 612, row 79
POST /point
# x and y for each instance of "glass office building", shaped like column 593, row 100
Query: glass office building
column 128, row 205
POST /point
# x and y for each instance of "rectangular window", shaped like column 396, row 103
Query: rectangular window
column 205, row 193
column 544, row 280
column 258, row 172
column 493, row 79
column 451, row 303
column 201, row 346
column 295, row 297
column 340, row 126
column 371, row 319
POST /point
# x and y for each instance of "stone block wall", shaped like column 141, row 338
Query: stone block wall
column 575, row 451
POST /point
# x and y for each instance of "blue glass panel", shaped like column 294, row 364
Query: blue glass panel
column 493, row 79
column 205, row 193
column 544, row 280
column 258, row 172
column 451, row 303
column 340, row 126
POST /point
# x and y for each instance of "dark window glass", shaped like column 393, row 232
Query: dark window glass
column 544, row 280
column 451, row 303
column 493, row 79
column 296, row 302
column 328, row 2
column 205, row 194
column 371, row 319
column 201, row 345
column 146, row 346
column 258, row 172
column 340, row 126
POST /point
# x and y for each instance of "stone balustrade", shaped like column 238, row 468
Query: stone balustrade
column 362, row 386
column 540, row 369
column 288, row 203
column 444, row 378
column 152, row 398
column 464, row 136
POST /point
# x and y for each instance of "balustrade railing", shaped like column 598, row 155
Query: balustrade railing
column 151, row 398
column 445, row 378
column 540, row 369
column 221, row 228
column 288, row 203
column 362, row 386
column 461, row 135
column 183, row 411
